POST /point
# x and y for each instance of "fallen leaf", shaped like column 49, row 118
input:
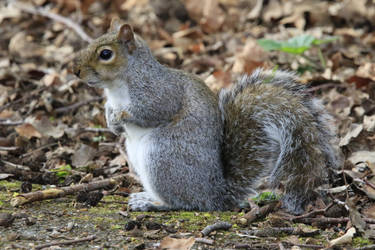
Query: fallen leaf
column 251, row 57
column 355, row 130
column 177, row 244
column 27, row 130
column 367, row 70
column 355, row 216
column 362, row 156
column 83, row 155
column 46, row 128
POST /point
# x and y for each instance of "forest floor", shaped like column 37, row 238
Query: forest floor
column 53, row 131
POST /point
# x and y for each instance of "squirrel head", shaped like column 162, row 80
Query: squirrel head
column 101, row 62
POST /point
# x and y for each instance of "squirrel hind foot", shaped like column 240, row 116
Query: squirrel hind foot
column 143, row 202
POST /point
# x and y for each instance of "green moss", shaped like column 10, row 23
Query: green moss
column 265, row 197
column 116, row 227
column 10, row 184
column 360, row 242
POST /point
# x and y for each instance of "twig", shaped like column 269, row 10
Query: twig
column 274, row 231
column 16, row 166
column 38, row 149
column 368, row 247
column 56, row 17
column 304, row 245
column 329, row 220
column 218, row 225
column 60, row 192
column 8, row 148
column 98, row 130
column 369, row 184
column 323, row 86
column 313, row 213
column 23, row 98
column 77, row 105
column 258, row 213
column 257, row 246
column 204, row 241
column 321, row 58
column 66, row 242
column 11, row 123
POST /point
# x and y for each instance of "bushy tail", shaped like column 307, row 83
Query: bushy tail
column 272, row 127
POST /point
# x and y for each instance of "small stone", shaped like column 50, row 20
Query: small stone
column 242, row 221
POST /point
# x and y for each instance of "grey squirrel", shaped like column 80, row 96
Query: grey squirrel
column 195, row 150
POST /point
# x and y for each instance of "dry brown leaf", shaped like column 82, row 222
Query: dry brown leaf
column 218, row 80
column 355, row 130
column 177, row 244
column 362, row 156
column 21, row 45
column 83, row 155
column 369, row 123
column 46, row 128
column 207, row 13
column 51, row 79
column 367, row 70
column 355, row 216
column 272, row 11
column 130, row 4
column 9, row 11
column 27, row 130
column 369, row 211
column 251, row 57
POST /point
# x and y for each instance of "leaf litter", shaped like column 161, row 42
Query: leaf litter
column 53, row 132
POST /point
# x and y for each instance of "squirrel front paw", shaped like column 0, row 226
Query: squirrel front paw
column 143, row 202
column 115, row 120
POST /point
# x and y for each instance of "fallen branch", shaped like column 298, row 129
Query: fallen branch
column 313, row 213
column 56, row 17
column 11, row 123
column 322, row 221
column 38, row 149
column 204, row 241
column 66, row 242
column 304, row 245
column 259, row 213
column 275, row 231
column 218, row 225
column 98, row 130
column 77, row 105
column 61, row 192
column 8, row 148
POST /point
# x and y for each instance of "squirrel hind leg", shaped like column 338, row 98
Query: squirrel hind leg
column 142, row 201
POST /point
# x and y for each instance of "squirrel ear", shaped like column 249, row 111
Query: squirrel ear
column 116, row 24
column 126, row 35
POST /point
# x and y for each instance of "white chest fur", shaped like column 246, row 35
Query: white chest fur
column 138, row 140
column 138, row 146
column 118, row 97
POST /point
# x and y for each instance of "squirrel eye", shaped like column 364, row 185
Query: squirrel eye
column 105, row 54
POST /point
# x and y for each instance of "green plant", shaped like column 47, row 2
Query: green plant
column 297, row 46
column 99, row 138
column 62, row 172
column 265, row 197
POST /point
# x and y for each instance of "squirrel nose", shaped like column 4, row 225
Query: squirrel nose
column 77, row 72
